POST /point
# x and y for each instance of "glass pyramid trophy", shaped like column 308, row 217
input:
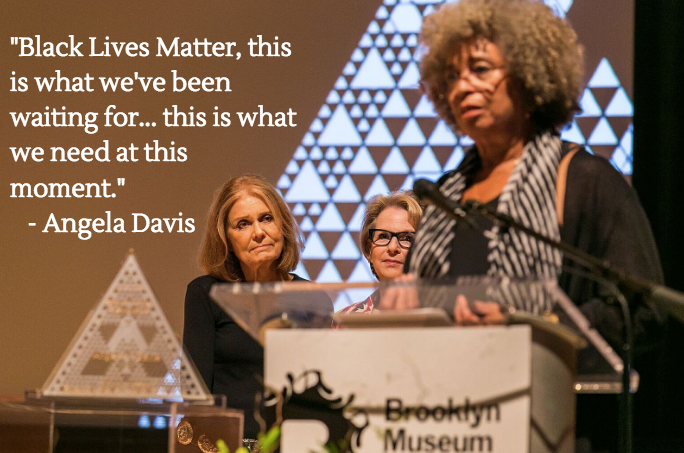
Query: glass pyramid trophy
column 126, row 349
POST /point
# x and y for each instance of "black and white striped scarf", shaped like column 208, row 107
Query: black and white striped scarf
column 529, row 196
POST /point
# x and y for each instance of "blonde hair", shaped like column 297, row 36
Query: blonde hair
column 216, row 258
column 540, row 49
column 403, row 199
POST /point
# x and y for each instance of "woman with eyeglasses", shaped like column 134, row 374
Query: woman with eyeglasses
column 389, row 227
column 508, row 74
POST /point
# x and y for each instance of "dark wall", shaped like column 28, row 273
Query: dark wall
column 658, row 160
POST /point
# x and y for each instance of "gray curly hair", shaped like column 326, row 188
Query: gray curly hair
column 540, row 49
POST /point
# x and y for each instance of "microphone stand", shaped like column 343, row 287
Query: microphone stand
column 615, row 277
column 670, row 300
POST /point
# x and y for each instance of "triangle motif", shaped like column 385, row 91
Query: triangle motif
column 395, row 163
column 603, row 134
column 589, row 105
column 411, row 135
column 620, row 105
column 396, row 106
column 377, row 187
column 314, row 249
column 427, row 162
column 340, row 130
column 411, row 77
column 376, row 129
column 373, row 74
column 330, row 219
column 380, row 135
column 137, row 359
column 381, row 41
column 346, row 249
column 307, row 186
column 424, row 109
column 406, row 18
column 604, row 76
column 306, row 225
column 363, row 163
column 329, row 274
column 346, row 191
column 331, row 182
column 361, row 273
column 442, row 136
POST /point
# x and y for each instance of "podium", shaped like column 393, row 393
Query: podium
column 412, row 382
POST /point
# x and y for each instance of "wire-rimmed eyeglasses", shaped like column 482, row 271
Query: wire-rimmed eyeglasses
column 481, row 72
column 384, row 237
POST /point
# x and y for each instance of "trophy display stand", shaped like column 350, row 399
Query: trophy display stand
column 123, row 384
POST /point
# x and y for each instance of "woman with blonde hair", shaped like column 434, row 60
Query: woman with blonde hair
column 387, row 234
column 251, row 236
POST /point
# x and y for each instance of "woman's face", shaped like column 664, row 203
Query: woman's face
column 483, row 99
column 253, row 234
column 388, row 260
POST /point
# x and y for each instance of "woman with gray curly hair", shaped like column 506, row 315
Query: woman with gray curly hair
column 507, row 73
column 520, row 43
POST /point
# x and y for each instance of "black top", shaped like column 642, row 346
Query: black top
column 603, row 217
column 470, row 247
column 230, row 361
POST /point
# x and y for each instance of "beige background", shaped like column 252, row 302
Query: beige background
column 49, row 282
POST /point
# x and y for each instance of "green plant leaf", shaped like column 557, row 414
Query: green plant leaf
column 270, row 441
column 222, row 447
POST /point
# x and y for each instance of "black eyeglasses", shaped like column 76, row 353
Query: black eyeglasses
column 384, row 237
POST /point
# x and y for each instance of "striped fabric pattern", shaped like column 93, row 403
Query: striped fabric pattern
column 529, row 197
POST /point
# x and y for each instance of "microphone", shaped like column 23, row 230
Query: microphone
column 504, row 221
column 428, row 191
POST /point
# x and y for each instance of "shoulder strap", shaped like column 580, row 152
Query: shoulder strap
column 562, row 179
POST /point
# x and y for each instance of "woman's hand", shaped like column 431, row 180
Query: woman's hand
column 400, row 297
column 482, row 314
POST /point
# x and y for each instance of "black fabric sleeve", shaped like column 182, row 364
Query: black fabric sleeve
column 199, row 329
column 630, row 246
column 604, row 217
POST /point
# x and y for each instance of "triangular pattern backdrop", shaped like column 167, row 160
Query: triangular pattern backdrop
column 376, row 133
